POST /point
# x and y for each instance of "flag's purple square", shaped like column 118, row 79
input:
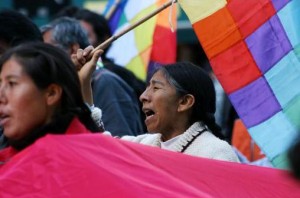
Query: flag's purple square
column 117, row 16
column 268, row 44
column 255, row 102
column 278, row 4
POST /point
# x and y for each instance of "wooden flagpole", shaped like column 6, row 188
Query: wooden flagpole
column 106, row 43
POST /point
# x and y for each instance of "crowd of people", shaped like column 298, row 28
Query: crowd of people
column 53, row 82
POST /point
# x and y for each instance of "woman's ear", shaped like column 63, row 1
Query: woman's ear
column 53, row 94
column 186, row 102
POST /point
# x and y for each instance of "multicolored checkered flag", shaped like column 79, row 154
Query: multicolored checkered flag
column 153, row 41
column 254, row 49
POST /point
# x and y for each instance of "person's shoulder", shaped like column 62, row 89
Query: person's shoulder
column 217, row 148
column 128, row 76
column 212, row 141
column 107, row 77
column 102, row 73
column 148, row 139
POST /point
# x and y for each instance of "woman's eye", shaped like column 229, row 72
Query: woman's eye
column 11, row 84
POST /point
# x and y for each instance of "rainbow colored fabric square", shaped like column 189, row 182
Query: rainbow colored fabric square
column 254, row 49
column 152, row 41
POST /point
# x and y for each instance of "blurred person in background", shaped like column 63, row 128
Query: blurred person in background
column 121, row 113
column 98, row 31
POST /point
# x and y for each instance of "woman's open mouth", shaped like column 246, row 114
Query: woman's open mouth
column 3, row 119
column 149, row 115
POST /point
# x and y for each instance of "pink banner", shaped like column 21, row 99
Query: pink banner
column 100, row 166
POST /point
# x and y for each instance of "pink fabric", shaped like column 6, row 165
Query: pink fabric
column 95, row 165
column 75, row 127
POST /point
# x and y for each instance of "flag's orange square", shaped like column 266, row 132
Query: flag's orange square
column 217, row 32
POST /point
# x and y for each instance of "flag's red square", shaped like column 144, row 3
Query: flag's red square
column 235, row 67
column 249, row 15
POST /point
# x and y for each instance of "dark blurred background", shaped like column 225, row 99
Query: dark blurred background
column 41, row 11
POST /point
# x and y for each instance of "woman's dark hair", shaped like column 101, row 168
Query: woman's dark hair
column 188, row 78
column 47, row 65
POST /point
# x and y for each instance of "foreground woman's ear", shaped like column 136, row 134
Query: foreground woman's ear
column 186, row 102
column 53, row 94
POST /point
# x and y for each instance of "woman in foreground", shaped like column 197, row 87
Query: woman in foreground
column 40, row 93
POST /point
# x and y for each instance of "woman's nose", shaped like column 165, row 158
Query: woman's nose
column 2, row 94
column 144, row 96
